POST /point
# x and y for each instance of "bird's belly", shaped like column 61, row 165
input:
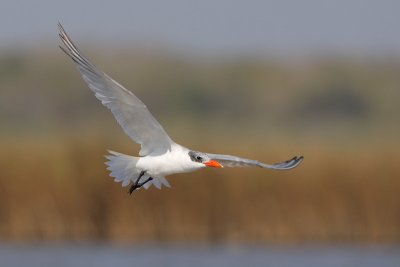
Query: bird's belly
column 162, row 166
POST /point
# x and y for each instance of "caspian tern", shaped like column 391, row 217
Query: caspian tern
column 159, row 155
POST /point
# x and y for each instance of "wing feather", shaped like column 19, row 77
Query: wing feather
column 233, row 161
column 130, row 112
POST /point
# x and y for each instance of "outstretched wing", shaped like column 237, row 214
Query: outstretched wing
column 133, row 116
column 232, row 161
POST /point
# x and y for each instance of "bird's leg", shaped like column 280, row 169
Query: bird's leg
column 147, row 180
column 136, row 184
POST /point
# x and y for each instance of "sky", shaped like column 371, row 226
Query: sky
column 211, row 26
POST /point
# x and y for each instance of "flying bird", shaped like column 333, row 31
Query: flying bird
column 159, row 155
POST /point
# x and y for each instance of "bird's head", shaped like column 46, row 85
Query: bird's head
column 204, row 159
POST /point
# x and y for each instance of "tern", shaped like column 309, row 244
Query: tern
column 159, row 156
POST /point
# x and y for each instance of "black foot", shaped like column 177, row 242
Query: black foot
column 137, row 185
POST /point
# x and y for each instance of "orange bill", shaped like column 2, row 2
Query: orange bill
column 213, row 163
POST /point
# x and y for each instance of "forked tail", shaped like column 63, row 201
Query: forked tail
column 123, row 169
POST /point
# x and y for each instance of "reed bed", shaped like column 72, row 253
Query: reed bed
column 341, row 113
column 58, row 189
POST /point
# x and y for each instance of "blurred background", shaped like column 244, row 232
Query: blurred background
column 261, row 79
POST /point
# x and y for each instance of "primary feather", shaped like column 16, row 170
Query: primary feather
column 133, row 116
column 233, row 161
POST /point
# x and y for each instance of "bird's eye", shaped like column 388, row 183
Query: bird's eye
column 199, row 158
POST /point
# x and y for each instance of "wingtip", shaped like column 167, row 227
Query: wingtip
column 60, row 27
column 298, row 160
column 289, row 164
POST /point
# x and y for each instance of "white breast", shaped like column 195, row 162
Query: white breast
column 175, row 161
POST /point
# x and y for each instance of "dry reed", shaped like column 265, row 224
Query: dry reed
column 58, row 189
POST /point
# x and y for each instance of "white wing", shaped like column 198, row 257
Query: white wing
column 133, row 116
column 232, row 161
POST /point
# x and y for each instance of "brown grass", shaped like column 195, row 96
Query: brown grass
column 58, row 189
